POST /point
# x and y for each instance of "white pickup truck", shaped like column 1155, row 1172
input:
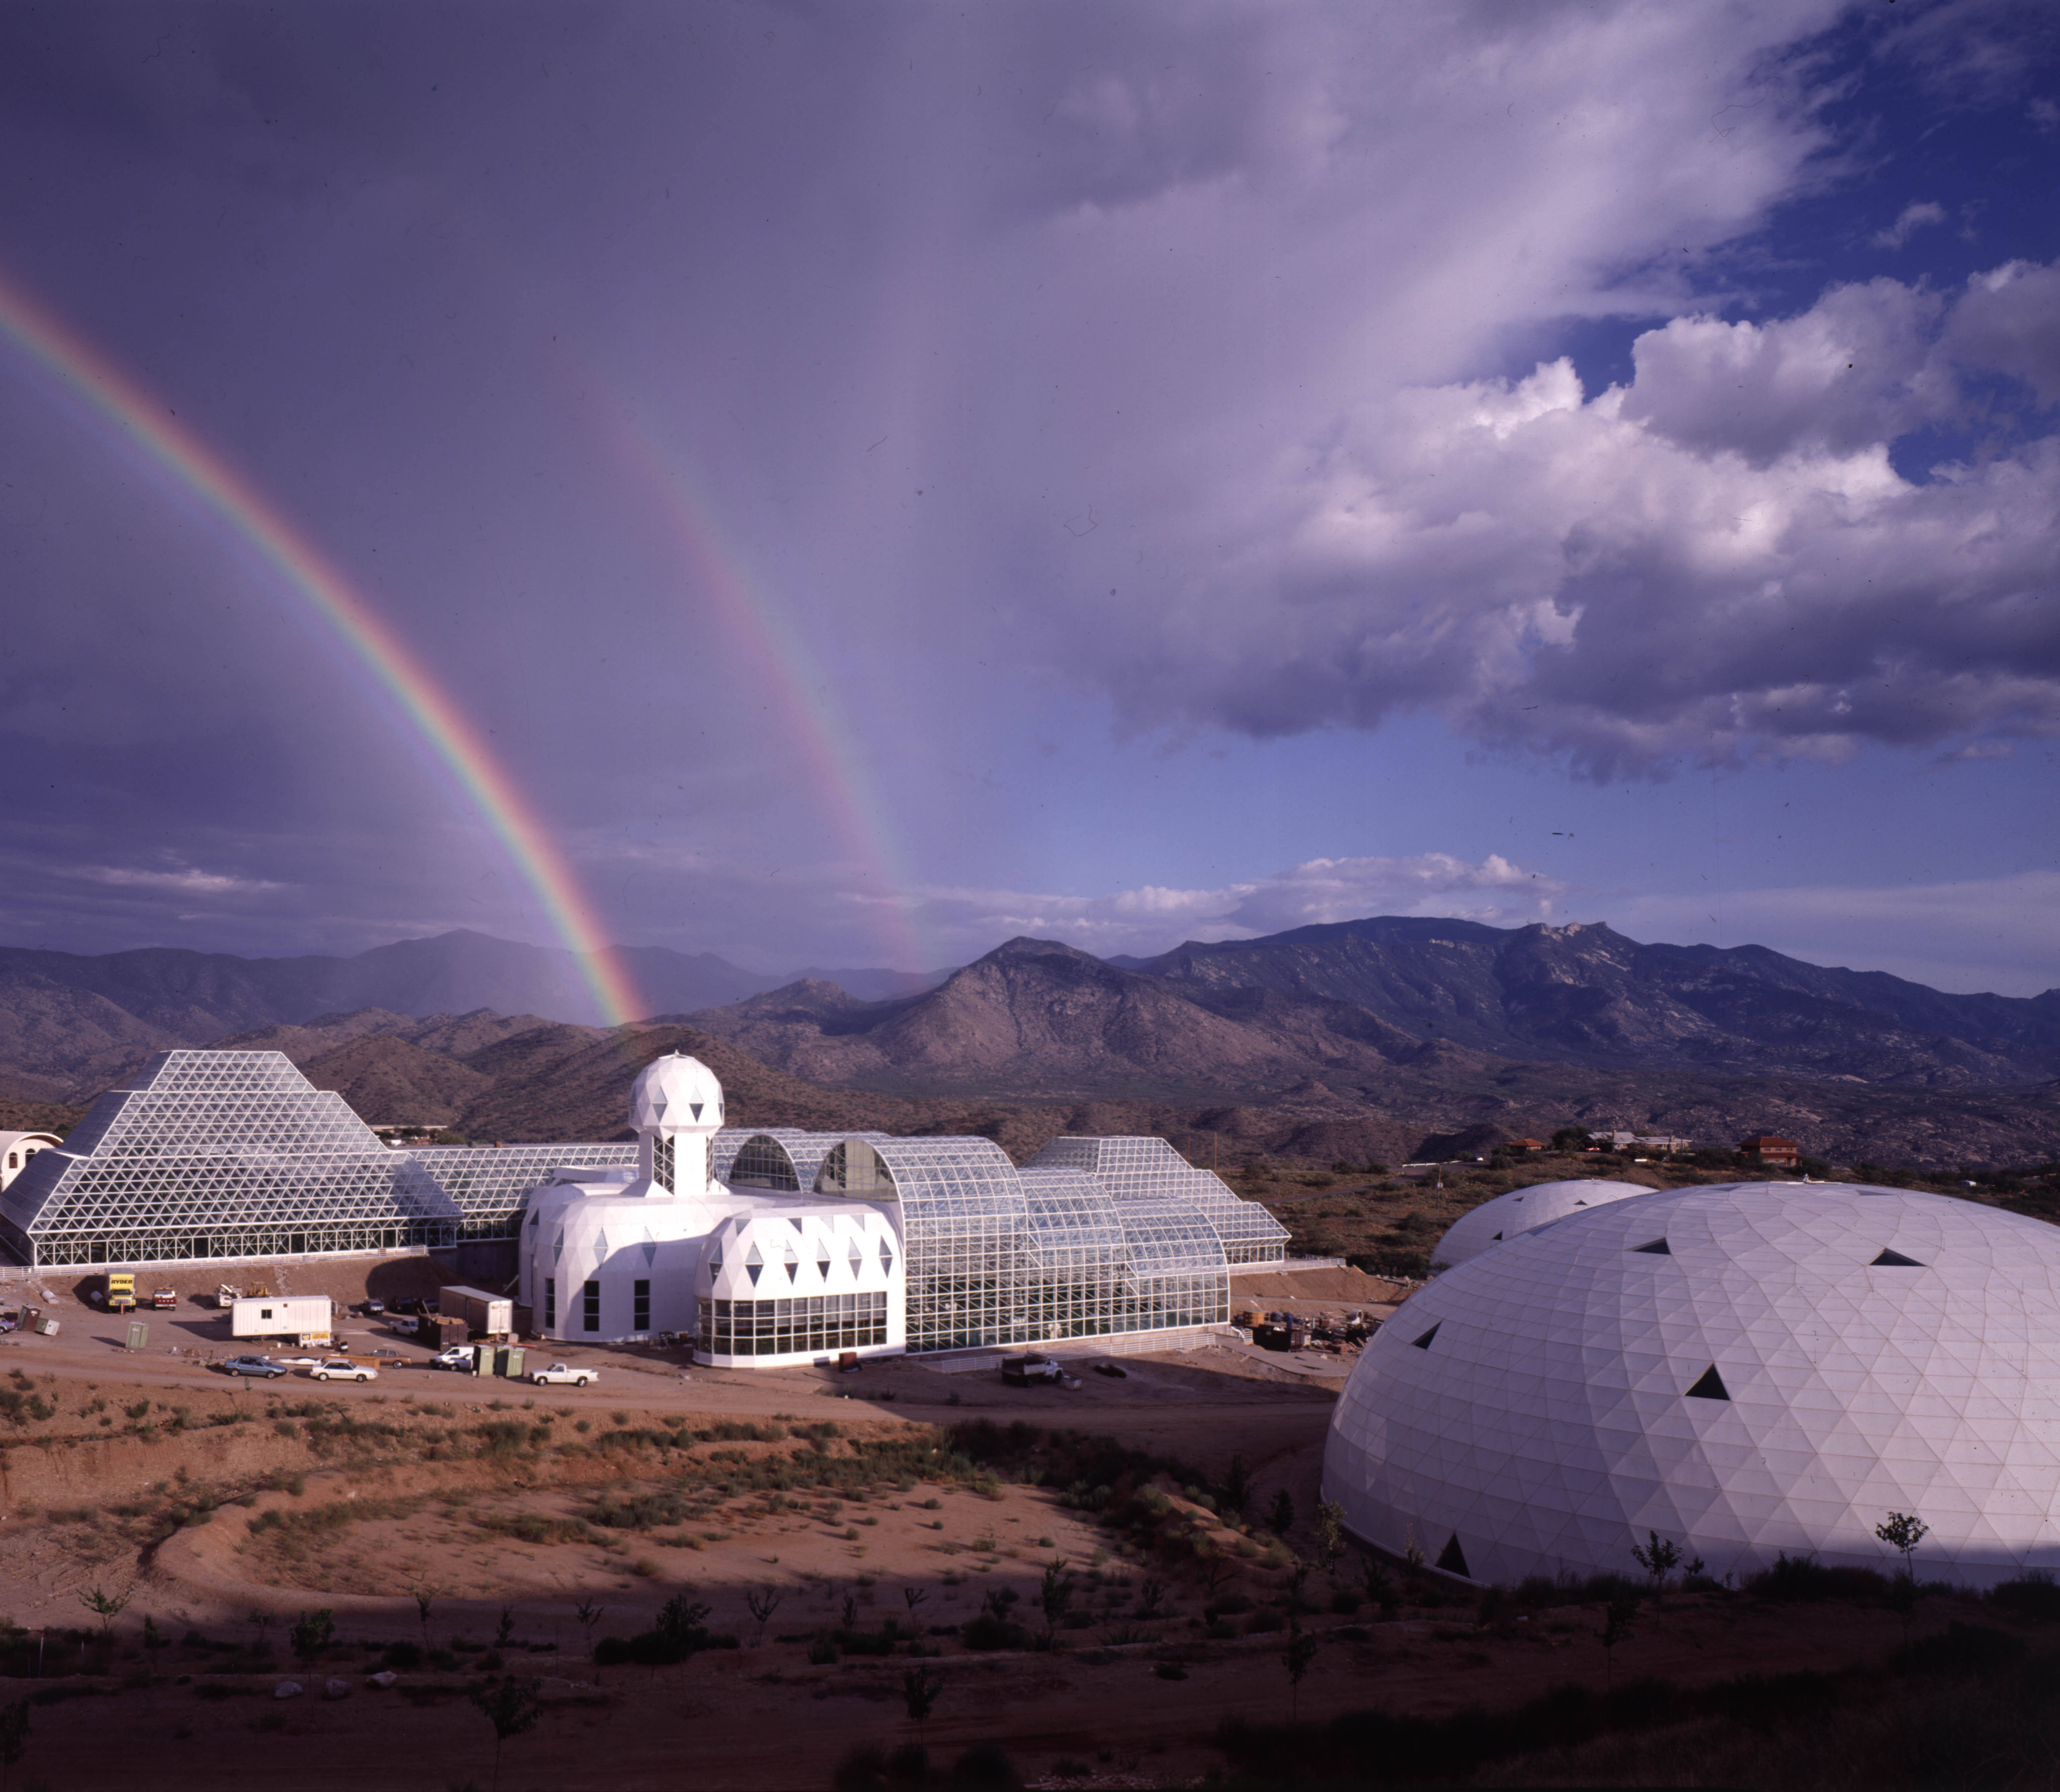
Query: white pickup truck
column 558, row 1375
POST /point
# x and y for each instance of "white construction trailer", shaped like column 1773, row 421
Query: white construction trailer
column 308, row 1319
column 485, row 1315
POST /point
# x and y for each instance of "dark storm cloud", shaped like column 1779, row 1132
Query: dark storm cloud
column 1154, row 351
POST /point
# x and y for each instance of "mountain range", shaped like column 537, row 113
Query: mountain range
column 1378, row 998
column 67, row 1022
column 1380, row 1038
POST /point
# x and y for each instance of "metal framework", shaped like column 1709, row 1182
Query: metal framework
column 785, row 1327
column 1134, row 1169
column 785, row 1158
column 236, row 1154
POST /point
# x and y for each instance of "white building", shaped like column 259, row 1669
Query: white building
column 778, row 1246
column 759, row 1278
column 1745, row 1368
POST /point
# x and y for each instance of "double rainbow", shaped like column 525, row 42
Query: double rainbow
column 454, row 741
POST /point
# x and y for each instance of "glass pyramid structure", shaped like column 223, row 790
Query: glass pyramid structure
column 236, row 1154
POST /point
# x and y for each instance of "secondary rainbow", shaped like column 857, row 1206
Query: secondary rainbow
column 784, row 668
column 453, row 742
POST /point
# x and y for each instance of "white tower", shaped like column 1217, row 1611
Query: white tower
column 675, row 1106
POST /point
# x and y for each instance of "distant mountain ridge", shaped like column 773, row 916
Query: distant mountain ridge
column 1588, row 995
column 66, row 1020
column 1369, row 1038
column 1367, row 1000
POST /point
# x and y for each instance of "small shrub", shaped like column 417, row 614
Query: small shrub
column 1800, row 1578
column 1961, row 1650
column 2032, row 1597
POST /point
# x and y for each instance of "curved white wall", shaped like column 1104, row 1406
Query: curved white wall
column 1521, row 1209
column 1545, row 1404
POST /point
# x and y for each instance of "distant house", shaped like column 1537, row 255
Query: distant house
column 1769, row 1149
column 1524, row 1145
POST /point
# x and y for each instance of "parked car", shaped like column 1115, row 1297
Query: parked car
column 263, row 1366
column 558, row 1375
column 458, row 1356
column 373, row 1309
column 341, row 1368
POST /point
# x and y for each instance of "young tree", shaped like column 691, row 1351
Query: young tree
column 761, row 1602
column 589, row 1614
column 104, row 1605
column 1301, row 1651
column 1380, row 1585
column 312, row 1633
column 1616, row 1628
column 1054, row 1595
column 1298, row 1577
column 1330, row 1533
column 506, row 1627
column 1660, row 1560
column 913, row 1597
column 1236, row 1488
column 1152, row 1598
column 1281, row 1516
column 1903, row 1533
column 512, row 1706
column 919, row 1688
column 683, row 1623
column 13, row 1737
column 426, row 1596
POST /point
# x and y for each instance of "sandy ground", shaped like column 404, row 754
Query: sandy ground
column 309, row 1517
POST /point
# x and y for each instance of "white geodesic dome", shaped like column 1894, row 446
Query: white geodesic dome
column 1521, row 1210
column 1746, row 1369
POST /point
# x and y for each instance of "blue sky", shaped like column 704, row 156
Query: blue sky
column 1162, row 471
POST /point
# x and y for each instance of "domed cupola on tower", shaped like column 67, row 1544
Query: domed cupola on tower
column 675, row 1108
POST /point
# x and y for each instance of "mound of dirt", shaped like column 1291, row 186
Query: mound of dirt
column 1317, row 1284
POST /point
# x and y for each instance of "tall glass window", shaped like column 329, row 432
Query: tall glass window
column 590, row 1306
column 639, row 1307
column 550, row 1303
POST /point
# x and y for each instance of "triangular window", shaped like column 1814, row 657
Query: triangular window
column 1453, row 1559
column 886, row 1257
column 1894, row 1259
column 1423, row 1342
column 694, row 1108
column 1659, row 1247
column 1710, row 1386
column 1496, row 1239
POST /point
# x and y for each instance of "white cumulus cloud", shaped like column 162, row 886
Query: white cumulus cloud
column 1912, row 219
column 1718, row 562
column 1144, row 921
